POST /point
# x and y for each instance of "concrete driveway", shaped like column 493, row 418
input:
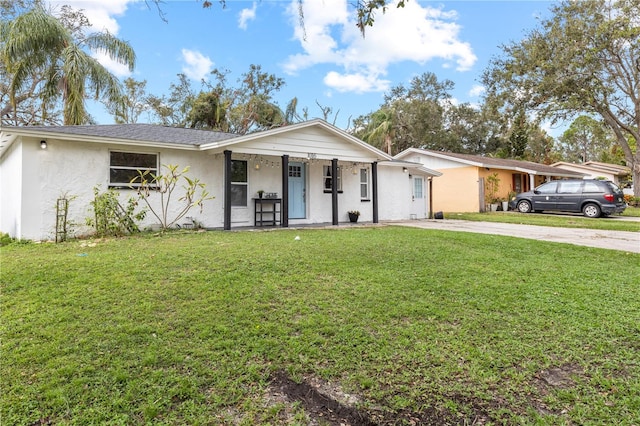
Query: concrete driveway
column 614, row 240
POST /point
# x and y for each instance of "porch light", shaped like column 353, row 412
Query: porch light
column 257, row 166
column 43, row 144
column 405, row 170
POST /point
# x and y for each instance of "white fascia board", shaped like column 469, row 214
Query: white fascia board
column 444, row 156
column 100, row 139
column 411, row 166
column 6, row 140
column 292, row 128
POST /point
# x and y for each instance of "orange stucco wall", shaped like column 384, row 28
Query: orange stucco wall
column 506, row 180
column 456, row 190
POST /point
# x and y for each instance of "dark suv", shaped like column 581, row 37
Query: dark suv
column 592, row 197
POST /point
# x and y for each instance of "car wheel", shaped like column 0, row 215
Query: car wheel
column 524, row 206
column 591, row 210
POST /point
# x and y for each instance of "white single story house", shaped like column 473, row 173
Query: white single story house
column 597, row 170
column 461, row 187
column 314, row 172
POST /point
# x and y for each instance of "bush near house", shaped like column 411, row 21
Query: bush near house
column 631, row 200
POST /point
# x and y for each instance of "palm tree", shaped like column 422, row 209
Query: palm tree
column 37, row 42
column 380, row 130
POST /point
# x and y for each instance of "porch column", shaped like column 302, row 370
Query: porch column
column 227, row 190
column 284, row 208
column 532, row 182
column 334, row 190
column 374, row 190
column 430, row 197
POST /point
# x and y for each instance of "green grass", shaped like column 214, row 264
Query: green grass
column 556, row 220
column 631, row 211
column 188, row 328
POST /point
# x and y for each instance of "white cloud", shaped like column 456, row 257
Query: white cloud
column 115, row 68
column 356, row 82
column 477, row 90
column 101, row 14
column 413, row 33
column 247, row 15
column 197, row 66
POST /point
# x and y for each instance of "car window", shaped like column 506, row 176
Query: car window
column 569, row 187
column 613, row 186
column 547, row 188
column 591, row 187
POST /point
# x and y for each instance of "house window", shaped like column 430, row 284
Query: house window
column 295, row 171
column 239, row 183
column 364, row 184
column 125, row 166
column 327, row 178
column 418, row 188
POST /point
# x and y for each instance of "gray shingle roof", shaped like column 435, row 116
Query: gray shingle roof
column 139, row 132
column 508, row 163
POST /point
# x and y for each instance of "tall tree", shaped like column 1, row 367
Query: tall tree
column 36, row 42
column 586, row 139
column 379, row 131
column 585, row 59
column 413, row 115
column 131, row 104
column 173, row 110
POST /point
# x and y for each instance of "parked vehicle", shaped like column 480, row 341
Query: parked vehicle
column 592, row 197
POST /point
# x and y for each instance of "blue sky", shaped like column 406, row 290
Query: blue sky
column 334, row 66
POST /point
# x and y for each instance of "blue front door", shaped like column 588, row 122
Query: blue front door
column 297, row 192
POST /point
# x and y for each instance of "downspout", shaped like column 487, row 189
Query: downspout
column 374, row 190
column 284, row 209
column 227, row 190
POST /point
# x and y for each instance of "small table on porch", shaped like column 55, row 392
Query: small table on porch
column 267, row 211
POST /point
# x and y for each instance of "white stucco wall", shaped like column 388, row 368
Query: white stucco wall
column 11, row 187
column 394, row 192
column 33, row 179
column 73, row 169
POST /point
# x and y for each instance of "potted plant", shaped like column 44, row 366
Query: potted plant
column 353, row 215
column 260, row 193
column 491, row 186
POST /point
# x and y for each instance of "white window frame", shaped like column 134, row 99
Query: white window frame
column 326, row 178
column 420, row 179
column 133, row 169
column 364, row 184
column 244, row 184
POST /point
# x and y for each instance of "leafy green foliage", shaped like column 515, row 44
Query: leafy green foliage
column 581, row 61
column 164, row 185
column 42, row 51
column 110, row 217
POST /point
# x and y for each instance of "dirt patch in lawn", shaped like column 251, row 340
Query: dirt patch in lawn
column 326, row 403
column 322, row 402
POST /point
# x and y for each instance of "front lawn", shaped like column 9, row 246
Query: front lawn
column 384, row 325
column 613, row 223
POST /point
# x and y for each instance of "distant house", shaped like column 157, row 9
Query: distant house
column 314, row 172
column 461, row 188
column 596, row 170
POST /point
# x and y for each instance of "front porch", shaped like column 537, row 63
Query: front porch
column 296, row 191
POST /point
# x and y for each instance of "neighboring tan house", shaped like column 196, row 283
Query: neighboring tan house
column 596, row 170
column 315, row 172
column 461, row 188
